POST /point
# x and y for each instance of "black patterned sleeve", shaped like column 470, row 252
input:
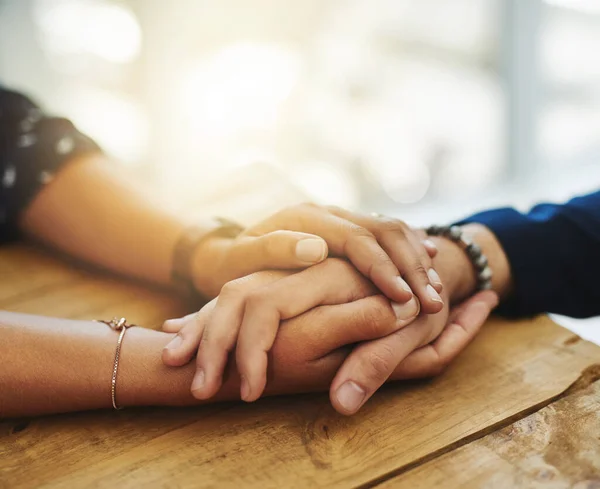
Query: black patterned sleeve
column 33, row 147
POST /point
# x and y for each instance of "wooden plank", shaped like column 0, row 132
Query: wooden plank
column 26, row 270
column 36, row 281
column 558, row 447
column 299, row 441
column 289, row 441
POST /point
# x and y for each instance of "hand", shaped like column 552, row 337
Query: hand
column 366, row 368
column 249, row 310
column 410, row 352
column 381, row 248
column 310, row 348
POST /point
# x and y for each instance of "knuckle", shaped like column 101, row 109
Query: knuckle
column 419, row 270
column 256, row 300
column 382, row 263
column 377, row 320
column 270, row 244
column 390, row 225
column 438, row 365
column 233, row 289
column 379, row 364
column 359, row 233
column 215, row 341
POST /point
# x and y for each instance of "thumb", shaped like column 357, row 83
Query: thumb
column 278, row 250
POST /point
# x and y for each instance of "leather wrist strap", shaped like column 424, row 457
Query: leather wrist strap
column 191, row 238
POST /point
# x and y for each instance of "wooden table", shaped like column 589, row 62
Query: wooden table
column 520, row 408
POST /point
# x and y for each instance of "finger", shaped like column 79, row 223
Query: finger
column 362, row 320
column 432, row 359
column 221, row 331
column 267, row 306
column 174, row 325
column 423, row 255
column 431, row 247
column 277, row 250
column 350, row 240
column 407, row 253
column 181, row 349
column 370, row 364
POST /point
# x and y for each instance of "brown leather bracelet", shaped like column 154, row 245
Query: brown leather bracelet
column 191, row 238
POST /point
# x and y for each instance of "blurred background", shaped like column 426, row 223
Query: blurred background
column 426, row 109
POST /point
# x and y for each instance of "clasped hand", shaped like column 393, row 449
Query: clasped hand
column 329, row 322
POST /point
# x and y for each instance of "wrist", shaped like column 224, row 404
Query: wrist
column 205, row 265
column 456, row 270
column 497, row 259
column 199, row 254
column 144, row 380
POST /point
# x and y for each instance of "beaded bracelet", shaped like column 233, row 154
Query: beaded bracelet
column 473, row 250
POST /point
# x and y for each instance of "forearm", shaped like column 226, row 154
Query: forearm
column 56, row 365
column 93, row 212
column 53, row 365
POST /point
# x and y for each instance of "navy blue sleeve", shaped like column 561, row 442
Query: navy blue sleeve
column 33, row 147
column 554, row 254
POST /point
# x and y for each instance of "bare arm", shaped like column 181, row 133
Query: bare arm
column 94, row 211
column 55, row 365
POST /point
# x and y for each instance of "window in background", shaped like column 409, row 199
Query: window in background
column 395, row 105
column 569, row 124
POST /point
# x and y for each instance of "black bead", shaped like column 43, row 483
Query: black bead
column 474, row 251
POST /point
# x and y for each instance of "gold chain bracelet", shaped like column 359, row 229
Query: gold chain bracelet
column 122, row 326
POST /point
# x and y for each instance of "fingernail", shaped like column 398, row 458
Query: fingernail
column 430, row 244
column 403, row 285
column 433, row 295
column 407, row 310
column 245, row 389
column 434, row 277
column 174, row 343
column 198, row 382
column 350, row 395
column 311, row 250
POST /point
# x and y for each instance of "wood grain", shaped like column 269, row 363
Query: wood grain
column 299, row 441
column 557, row 447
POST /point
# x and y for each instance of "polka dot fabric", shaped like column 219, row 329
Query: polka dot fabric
column 33, row 147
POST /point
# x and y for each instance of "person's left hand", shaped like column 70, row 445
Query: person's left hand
column 385, row 250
